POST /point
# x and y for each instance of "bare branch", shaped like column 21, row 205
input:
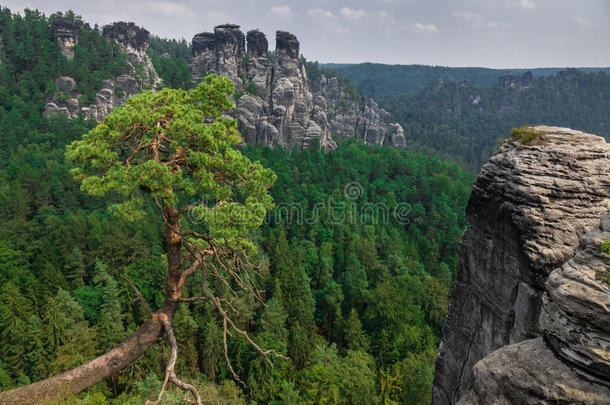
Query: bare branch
column 139, row 297
column 171, row 363
column 226, row 349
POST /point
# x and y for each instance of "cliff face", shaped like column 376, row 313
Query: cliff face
column 529, row 205
column 142, row 75
column 571, row 362
column 279, row 106
column 347, row 118
column 66, row 33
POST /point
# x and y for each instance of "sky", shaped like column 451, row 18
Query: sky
column 488, row 33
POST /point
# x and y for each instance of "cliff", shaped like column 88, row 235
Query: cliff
column 571, row 362
column 277, row 104
column 133, row 40
column 530, row 204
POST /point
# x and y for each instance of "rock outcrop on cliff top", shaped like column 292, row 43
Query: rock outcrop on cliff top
column 277, row 104
column 66, row 32
column 133, row 40
column 529, row 206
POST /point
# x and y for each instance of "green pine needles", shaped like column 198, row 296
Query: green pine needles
column 177, row 148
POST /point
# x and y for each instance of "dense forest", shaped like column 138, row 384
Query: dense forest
column 457, row 113
column 382, row 82
column 357, row 257
column 461, row 122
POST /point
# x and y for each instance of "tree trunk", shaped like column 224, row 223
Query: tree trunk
column 82, row 377
column 102, row 367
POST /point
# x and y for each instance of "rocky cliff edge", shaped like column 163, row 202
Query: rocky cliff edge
column 530, row 204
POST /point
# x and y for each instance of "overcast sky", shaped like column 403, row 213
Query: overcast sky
column 490, row 33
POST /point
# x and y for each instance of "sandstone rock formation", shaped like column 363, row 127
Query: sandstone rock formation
column 66, row 32
column 277, row 104
column 347, row 118
column 571, row 364
column 134, row 41
column 517, row 82
column 529, row 205
column 142, row 75
column 220, row 52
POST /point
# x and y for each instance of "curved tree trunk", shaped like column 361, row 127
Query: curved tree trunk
column 88, row 374
column 113, row 361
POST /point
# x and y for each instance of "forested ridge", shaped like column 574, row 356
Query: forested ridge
column 357, row 258
column 458, row 113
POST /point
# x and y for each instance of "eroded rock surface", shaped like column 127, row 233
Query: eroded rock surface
column 571, row 364
column 347, row 118
column 66, row 33
column 576, row 307
column 277, row 104
column 530, row 373
column 529, row 205
column 142, row 75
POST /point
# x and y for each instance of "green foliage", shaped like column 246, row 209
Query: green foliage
column 174, row 146
column 525, row 135
column 605, row 246
column 383, row 82
column 251, row 88
column 350, row 301
column 461, row 122
column 174, row 71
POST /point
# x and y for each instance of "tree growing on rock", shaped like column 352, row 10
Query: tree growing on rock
column 174, row 152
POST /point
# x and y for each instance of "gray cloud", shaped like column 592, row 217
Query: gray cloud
column 494, row 33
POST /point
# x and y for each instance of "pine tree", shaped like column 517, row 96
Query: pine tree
column 14, row 313
column 211, row 351
column 75, row 268
column 76, row 340
column 296, row 298
column 36, row 350
column 354, row 337
column 110, row 325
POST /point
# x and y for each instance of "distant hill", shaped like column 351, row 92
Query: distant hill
column 381, row 81
column 461, row 121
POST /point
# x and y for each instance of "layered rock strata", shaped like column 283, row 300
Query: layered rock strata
column 277, row 105
column 529, row 205
column 571, row 362
column 66, row 32
column 347, row 118
column 275, row 102
column 142, row 75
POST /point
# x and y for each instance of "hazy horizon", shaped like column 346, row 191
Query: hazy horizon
column 496, row 34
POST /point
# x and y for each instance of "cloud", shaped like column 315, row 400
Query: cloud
column 321, row 16
column 328, row 20
column 527, row 4
column 476, row 20
column 170, row 8
column 467, row 16
column 425, row 28
column 581, row 21
column 281, row 11
column 352, row 14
